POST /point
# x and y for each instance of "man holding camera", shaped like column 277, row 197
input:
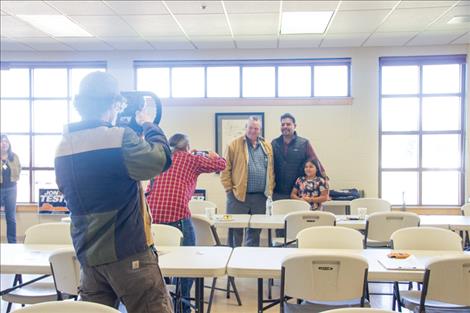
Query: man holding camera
column 169, row 194
column 98, row 169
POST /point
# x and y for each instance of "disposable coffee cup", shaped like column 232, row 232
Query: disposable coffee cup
column 210, row 213
column 362, row 212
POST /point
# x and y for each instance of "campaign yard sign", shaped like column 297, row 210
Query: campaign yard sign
column 51, row 201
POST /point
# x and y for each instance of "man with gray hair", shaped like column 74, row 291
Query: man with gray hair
column 248, row 179
column 169, row 194
column 98, row 169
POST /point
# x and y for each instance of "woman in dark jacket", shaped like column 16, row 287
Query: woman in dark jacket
column 10, row 174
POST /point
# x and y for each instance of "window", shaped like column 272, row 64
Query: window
column 223, row 81
column 35, row 104
column 259, row 81
column 421, row 130
column 187, row 82
column 245, row 78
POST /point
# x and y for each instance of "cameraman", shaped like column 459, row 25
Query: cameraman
column 98, row 169
column 169, row 194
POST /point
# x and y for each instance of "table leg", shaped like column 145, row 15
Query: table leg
column 260, row 295
column 270, row 237
column 199, row 294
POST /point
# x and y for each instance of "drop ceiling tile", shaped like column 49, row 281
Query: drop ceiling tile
column 204, row 25
column 15, row 28
column 154, row 25
column 237, row 7
column 109, row 26
column 254, row 24
column 298, row 6
column 170, row 43
column 46, row 44
column 138, row 7
column 127, row 43
column 344, row 40
column 299, row 41
column 366, row 5
column 411, row 19
column 85, row 44
column 389, row 39
column 82, row 7
column 27, row 7
column 357, row 21
column 435, row 38
column 213, row 42
column 256, row 42
column 464, row 40
column 442, row 24
column 195, row 7
column 11, row 45
column 424, row 4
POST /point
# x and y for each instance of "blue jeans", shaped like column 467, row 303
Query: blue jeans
column 8, row 200
column 189, row 239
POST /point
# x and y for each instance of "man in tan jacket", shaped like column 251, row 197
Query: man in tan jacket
column 248, row 179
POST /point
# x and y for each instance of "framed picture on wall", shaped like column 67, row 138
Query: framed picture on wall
column 229, row 126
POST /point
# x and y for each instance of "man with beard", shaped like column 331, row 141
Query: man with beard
column 290, row 154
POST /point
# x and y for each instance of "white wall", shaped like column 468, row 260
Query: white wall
column 344, row 136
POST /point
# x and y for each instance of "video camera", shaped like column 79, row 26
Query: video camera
column 136, row 100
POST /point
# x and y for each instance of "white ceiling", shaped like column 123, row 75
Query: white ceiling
column 156, row 25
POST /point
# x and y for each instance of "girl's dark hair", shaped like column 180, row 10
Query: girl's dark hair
column 9, row 152
column 315, row 163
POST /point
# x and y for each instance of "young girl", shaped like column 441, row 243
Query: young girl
column 312, row 187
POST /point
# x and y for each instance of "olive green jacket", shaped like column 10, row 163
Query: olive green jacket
column 15, row 169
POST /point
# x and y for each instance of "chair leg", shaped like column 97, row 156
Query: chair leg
column 270, row 289
column 9, row 307
column 396, row 295
column 235, row 290
column 228, row 289
column 211, row 295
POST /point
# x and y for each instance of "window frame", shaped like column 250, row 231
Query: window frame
column 31, row 66
column 421, row 61
column 276, row 63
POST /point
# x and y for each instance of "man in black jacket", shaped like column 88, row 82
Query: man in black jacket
column 290, row 154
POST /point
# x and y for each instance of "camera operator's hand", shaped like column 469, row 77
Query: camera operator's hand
column 147, row 114
column 212, row 155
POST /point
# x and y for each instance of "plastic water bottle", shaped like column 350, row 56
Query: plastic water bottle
column 269, row 206
column 403, row 205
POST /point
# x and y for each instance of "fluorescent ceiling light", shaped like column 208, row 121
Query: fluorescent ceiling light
column 459, row 19
column 55, row 25
column 305, row 22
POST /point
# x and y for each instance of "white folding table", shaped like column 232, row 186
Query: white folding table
column 265, row 263
column 196, row 262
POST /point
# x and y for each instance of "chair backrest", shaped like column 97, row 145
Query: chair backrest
column 358, row 310
column 381, row 225
column 282, row 207
column 49, row 233
column 466, row 209
column 426, row 238
column 330, row 237
column 206, row 234
column 67, row 306
column 447, row 279
column 329, row 277
column 297, row 221
column 199, row 206
column 65, row 269
column 372, row 205
column 166, row 235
